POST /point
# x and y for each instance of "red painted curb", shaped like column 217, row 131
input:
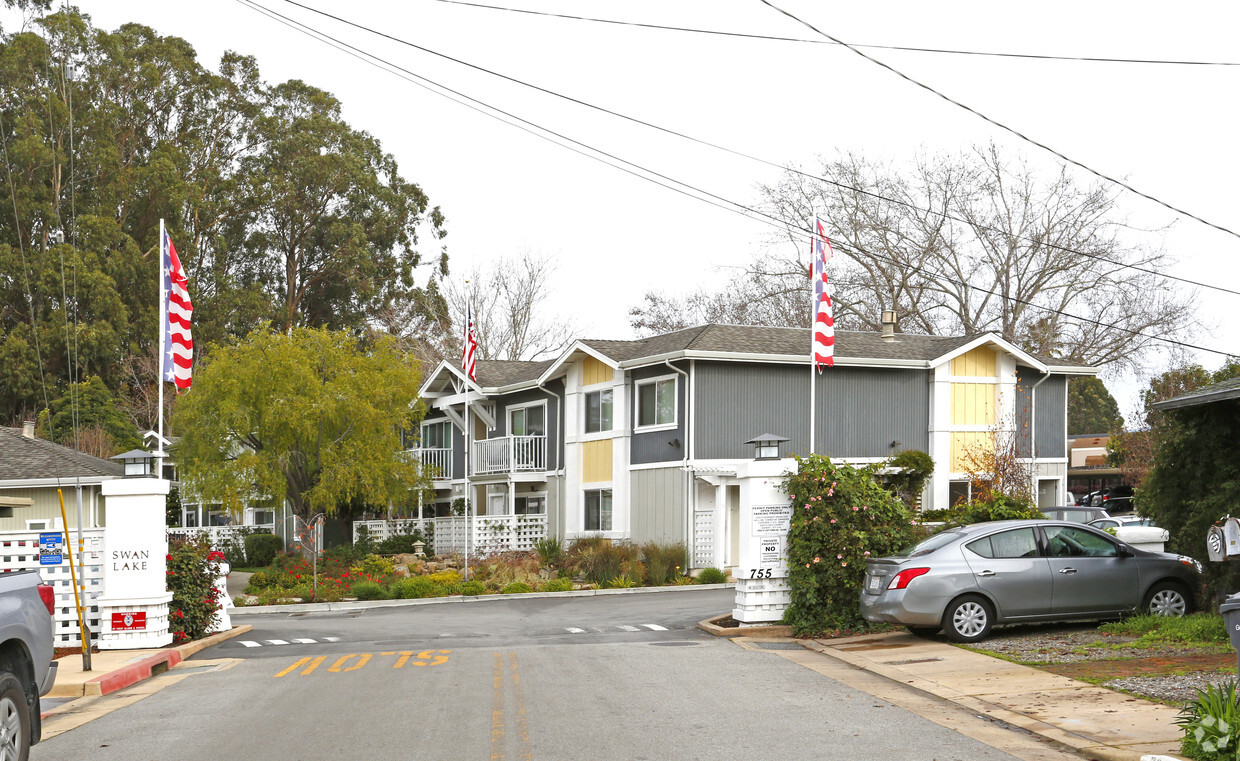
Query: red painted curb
column 135, row 672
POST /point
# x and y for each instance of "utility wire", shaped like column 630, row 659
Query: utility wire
column 751, row 157
column 906, row 48
column 713, row 199
column 1001, row 125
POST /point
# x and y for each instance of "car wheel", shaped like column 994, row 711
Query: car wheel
column 14, row 720
column 1166, row 598
column 968, row 619
column 923, row 631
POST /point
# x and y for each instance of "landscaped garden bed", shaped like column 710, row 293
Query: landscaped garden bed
column 361, row 572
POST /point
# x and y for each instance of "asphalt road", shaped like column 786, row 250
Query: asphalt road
column 624, row 677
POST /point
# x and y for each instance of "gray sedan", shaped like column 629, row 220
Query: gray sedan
column 967, row 579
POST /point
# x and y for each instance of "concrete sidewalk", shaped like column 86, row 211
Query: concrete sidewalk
column 113, row 670
column 1093, row 721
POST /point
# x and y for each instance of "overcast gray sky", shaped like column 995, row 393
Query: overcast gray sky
column 1168, row 130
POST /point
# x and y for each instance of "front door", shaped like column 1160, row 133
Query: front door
column 1089, row 572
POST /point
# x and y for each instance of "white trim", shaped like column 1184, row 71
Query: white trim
column 600, row 486
column 508, row 410
column 637, row 384
column 790, row 359
column 998, row 340
column 567, row 355
column 32, row 483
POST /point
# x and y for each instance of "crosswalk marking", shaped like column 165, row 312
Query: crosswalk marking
column 330, row 639
column 279, row 642
column 621, row 627
column 630, row 628
column 575, row 630
column 276, row 642
column 655, row 627
column 250, row 643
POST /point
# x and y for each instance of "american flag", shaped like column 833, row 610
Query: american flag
column 178, row 359
column 470, row 361
column 824, row 322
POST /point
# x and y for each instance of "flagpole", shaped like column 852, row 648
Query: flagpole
column 468, row 501
column 159, row 361
column 813, row 314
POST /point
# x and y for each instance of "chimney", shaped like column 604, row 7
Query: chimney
column 28, row 429
column 889, row 325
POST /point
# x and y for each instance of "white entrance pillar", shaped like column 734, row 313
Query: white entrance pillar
column 133, row 609
column 762, row 589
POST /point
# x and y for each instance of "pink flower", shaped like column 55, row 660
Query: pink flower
column 817, row 559
column 854, row 508
column 833, row 520
column 843, row 564
column 867, row 552
column 830, row 492
column 839, row 557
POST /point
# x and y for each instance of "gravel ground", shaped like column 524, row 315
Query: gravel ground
column 1060, row 644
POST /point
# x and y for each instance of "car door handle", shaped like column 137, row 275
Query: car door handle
column 1067, row 570
column 985, row 573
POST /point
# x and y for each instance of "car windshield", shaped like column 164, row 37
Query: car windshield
column 928, row 545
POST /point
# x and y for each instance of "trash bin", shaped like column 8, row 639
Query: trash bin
column 1231, row 620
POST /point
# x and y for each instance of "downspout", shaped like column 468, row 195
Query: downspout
column 684, row 466
column 559, row 464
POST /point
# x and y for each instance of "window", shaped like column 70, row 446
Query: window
column 1019, row 543
column 437, row 435
column 531, row 505
column 1065, row 541
column 598, row 510
column 957, row 492
column 598, row 411
column 656, row 402
column 264, row 517
column 526, row 421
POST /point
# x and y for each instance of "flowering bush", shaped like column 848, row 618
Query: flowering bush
column 192, row 571
column 841, row 516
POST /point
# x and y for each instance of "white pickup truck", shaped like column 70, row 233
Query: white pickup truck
column 27, row 670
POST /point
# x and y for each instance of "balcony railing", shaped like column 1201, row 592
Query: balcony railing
column 508, row 454
column 437, row 461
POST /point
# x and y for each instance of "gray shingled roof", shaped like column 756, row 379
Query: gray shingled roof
column 23, row 458
column 1218, row 392
column 496, row 373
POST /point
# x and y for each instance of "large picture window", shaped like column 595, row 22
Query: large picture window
column 598, row 510
column 656, row 403
column 437, row 435
column 598, row 411
column 526, row 421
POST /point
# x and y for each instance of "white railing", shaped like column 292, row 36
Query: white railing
column 510, row 453
column 19, row 551
column 221, row 536
column 491, row 533
column 437, row 461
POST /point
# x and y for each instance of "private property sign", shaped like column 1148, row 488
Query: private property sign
column 134, row 621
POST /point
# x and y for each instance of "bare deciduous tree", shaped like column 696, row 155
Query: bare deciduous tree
column 959, row 244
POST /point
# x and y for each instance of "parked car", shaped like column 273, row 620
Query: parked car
column 1075, row 514
column 1116, row 499
column 1121, row 521
column 27, row 670
column 1087, row 499
column 967, row 579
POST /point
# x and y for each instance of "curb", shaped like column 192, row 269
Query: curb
column 775, row 631
column 322, row 607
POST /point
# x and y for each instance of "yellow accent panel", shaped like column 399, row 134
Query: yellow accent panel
column 979, row 363
column 964, row 442
column 596, row 461
column 973, row 404
column 593, row 371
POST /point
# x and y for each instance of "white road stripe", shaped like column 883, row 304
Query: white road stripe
column 332, row 639
column 574, row 630
column 250, row 643
column 276, row 642
column 655, row 627
column 304, row 641
column 630, row 628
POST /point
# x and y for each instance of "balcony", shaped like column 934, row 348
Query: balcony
column 509, row 454
column 438, row 462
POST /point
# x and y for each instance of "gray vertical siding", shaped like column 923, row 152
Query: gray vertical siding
column 657, row 505
column 657, row 446
column 860, row 411
column 1049, row 406
column 555, row 448
column 1025, row 378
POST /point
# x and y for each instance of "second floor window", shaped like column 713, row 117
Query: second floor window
column 437, row 435
column 598, row 411
column 526, row 421
column 656, row 402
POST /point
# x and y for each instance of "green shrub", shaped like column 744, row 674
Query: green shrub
column 1211, row 723
column 600, row 560
column 471, row 588
column 261, row 549
column 558, row 585
column 399, row 544
column 913, row 468
column 417, row 588
column 550, row 551
column 445, row 578
column 375, row 567
column 623, row 581
column 712, row 576
column 517, row 588
column 841, row 515
column 261, row 580
column 1199, row 628
column 369, row 590
column 192, row 568
column 663, row 562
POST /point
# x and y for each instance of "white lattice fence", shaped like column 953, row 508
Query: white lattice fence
column 19, row 551
column 704, row 539
column 222, row 536
column 492, row 533
column 380, row 530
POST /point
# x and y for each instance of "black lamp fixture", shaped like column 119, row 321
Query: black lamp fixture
column 766, row 446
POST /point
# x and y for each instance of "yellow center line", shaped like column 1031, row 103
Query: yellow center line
column 497, row 710
column 523, row 729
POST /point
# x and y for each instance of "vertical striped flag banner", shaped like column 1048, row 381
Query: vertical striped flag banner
column 469, row 363
column 178, row 356
column 824, row 320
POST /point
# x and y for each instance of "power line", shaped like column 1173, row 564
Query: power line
column 905, row 48
column 1001, row 125
column 686, row 188
column 742, row 154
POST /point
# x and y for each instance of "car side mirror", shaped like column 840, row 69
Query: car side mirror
column 1126, row 552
